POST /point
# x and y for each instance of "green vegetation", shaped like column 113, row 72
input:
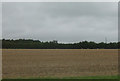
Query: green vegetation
column 36, row 44
column 86, row 77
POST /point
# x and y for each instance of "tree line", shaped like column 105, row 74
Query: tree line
column 36, row 44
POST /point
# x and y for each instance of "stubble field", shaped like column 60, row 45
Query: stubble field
column 42, row 63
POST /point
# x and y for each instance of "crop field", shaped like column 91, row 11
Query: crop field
column 50, row 63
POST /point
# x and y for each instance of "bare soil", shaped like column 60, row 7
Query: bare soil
column 35, row 63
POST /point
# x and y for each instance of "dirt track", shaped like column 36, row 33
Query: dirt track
column 28, row 63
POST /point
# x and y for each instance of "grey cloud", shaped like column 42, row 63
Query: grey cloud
column 65, row 22
column 0, row 20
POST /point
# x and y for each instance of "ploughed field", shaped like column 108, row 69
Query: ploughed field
column 41, row 63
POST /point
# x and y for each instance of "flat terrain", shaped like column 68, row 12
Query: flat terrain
column 37, row 63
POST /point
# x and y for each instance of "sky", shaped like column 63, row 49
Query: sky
column 66, row 22
column 0, row 20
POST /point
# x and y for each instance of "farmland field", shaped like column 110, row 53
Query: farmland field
column 41, row 63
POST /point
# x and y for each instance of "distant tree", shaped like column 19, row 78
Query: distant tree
column 36, row 44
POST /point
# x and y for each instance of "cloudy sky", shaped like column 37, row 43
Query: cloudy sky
column 0, row 20
column 62, row 21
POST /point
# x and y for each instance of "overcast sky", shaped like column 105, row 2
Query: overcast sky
column 65, row 22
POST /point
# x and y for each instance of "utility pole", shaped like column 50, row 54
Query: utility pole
column 106, row 40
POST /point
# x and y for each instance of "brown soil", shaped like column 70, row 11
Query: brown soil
column 29, row 63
